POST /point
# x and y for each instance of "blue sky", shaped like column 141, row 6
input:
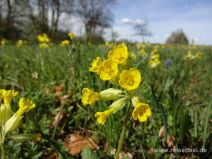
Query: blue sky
column 165, row 16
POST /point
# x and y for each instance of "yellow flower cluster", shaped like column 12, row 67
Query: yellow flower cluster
column 43, row 40
column 154, row 58
column 64, row 43
column 20, row 43
column 192, row 56
column 115, row 69
column 71, row 35
column 8, row 120
column 3, row 42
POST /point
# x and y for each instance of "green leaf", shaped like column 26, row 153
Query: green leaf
column 87, row 153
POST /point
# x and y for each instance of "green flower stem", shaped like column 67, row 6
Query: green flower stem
column 123, row 131
column 2, row 152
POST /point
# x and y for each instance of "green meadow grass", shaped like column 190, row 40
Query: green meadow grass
column 179, row 96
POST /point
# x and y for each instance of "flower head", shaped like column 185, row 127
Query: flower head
column 8, row 95
column 130, row 79
column 19, row 43
column 119, row 54
column 141, row 111
column 108, row 70
column 43, row 38
column 96, row 63
column 102, row 116
column 71, row 35
column 64, row 43
column 24, row 106
column 169, row 62
column 154, row 60
column 43, row 45
column 89, row 97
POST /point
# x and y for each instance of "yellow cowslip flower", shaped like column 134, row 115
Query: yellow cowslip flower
column 108, row 70
column 71, row 35
column 198, row 55
column 43, row 45
column 141, row 111
column 89, row 97
column 43, row 38
column 96, row 63
column 102, row 116
column 142, row 52
column 130, row 79
column 115, row 106
column 154, row 62
column 64, row 43
column 19, row 43
column 133, row 56
column 8, row 95
column 3, row 42
column 119, row 54
column 24, row 106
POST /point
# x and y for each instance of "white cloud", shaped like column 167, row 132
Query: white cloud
column 131, row 21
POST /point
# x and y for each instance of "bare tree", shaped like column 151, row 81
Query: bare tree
column 141, row 29
column 95, row 15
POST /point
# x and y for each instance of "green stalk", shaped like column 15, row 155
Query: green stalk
column 2, row 152
column 206, row 124
column 123, row 131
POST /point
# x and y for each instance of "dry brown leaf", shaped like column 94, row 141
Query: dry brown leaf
column 75, row 143
column 57, row 119
column 58, row 90
column 161, row 132
column 170, row 141
column 34, row 75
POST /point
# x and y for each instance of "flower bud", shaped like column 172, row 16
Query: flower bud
column 111, row 94
column 118, row 104
column 12, row 123
column 5, row 113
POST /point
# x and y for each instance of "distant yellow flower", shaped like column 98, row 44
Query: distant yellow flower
column 142, row 52
column 198, row 55
column 89, row 97
column 102, row 116
column 71, row 35
column 19, row 43
column 119, row 54
column 108, row 70
column 133, row 56
column 8, row 95
column 3, row 42
column 154, row 60
column 141, row 112
column 96, row 63
column 64, row 43
column 43, row 38
column 24, row 106
column 130, row 79
column 43, row 45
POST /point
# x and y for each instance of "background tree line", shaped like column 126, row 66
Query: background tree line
column 27, row 18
